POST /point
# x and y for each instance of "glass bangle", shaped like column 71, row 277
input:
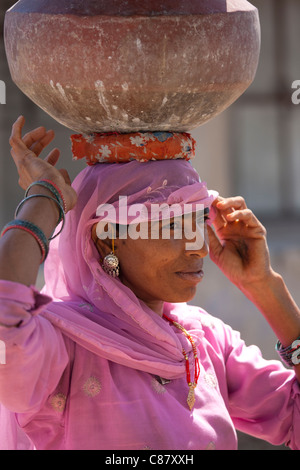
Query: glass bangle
column 61, row 211
column 33, row 230
column 291, row 354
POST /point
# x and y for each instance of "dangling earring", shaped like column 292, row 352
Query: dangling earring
column 110, row 263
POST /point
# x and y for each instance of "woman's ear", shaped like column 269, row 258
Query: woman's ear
column 94, row 234
column 104, row 246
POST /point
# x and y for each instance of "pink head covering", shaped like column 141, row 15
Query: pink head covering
column 98, row 311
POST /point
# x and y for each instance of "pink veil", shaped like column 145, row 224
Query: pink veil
column 99, row 312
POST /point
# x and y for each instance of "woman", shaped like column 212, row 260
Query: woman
column 108, row 359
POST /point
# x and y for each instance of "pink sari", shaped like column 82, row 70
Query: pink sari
column 121, row 328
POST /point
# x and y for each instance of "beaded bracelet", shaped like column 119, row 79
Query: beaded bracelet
column 291, row 354
column 33, row 230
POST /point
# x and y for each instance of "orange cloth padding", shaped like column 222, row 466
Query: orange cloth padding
column 141, row 146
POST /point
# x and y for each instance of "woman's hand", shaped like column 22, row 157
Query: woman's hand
column 238, row 245
column 25, row 152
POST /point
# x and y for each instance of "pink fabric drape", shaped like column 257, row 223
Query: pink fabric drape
column 73, row 271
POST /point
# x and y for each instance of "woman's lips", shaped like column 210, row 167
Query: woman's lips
column 193, row 276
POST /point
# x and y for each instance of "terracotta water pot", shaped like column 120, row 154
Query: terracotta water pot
column 105, row 65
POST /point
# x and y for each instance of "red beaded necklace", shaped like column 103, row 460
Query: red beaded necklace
column 192, row 385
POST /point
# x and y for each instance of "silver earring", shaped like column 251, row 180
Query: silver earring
column 110, row 265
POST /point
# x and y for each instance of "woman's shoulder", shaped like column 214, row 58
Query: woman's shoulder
column 212, row 332
column 195, row 318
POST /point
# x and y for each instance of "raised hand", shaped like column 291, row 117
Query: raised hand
column 238, row 245
column 26, row 151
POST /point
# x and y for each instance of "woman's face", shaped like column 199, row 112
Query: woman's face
column 167, row 268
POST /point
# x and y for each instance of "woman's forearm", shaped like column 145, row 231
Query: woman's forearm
column 20, row 254
column 239, row 248
column 275, row 302
column 20, row 251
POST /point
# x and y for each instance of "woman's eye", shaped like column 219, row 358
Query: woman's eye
column 173, row 225
column 202, row 219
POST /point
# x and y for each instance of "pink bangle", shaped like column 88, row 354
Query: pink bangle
column 59, row 192
column 59, row 199
column 33, row 230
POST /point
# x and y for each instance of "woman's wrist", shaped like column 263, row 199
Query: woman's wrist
column 42, row 211
column 22, row 249
column 27, row 237
column 272, row 297
column 258, row 288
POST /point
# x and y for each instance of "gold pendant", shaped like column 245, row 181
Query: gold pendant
column 191, row 395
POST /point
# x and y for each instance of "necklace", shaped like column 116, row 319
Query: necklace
column 192, row 385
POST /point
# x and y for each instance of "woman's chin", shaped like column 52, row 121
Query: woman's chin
column 187, row 295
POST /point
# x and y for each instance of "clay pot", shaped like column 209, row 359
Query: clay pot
column 99, row 66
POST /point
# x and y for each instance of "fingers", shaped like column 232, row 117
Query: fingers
column 225, row 207
column 34, row 141
column 245, row 216
column 16, row 135
column 31, row 137
column 236, row 202
column 38, row 139
column 19, row 151
column 234, row 210
column 220, row 216
column 66, row 176
column 215, row 246
column 17, row 128
column 53, row 157
column 229, row 205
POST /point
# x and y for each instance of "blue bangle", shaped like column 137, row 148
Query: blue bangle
column 48, row 185
column 34, row 230
column 61, row 211
column 51, row 186
column 291, row 354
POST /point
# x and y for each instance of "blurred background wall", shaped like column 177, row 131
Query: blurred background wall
column 252, row 149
